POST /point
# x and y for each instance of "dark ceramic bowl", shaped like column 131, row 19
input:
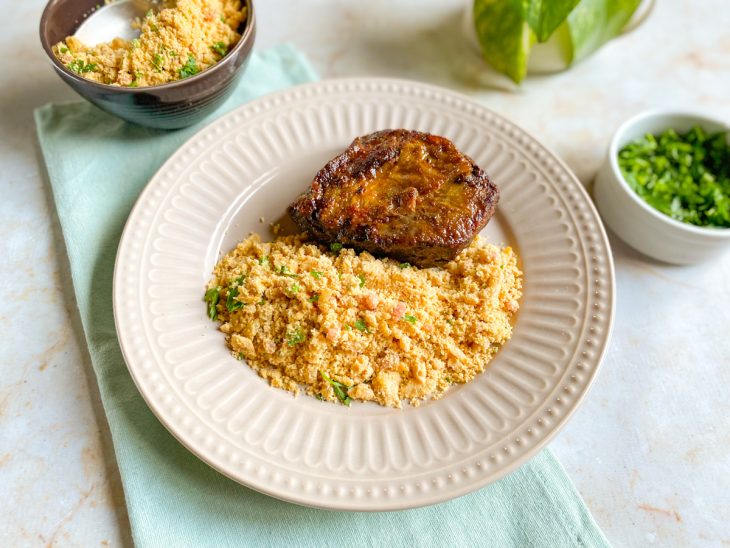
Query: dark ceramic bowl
column 168, row 106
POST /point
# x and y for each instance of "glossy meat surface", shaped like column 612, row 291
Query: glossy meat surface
column 405, row 194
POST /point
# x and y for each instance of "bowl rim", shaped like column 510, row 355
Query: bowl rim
column 245, row 38
column 703, row 119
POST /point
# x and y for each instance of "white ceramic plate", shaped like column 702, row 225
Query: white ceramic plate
column 251, row 163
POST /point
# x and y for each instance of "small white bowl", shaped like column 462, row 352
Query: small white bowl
column 636, row 222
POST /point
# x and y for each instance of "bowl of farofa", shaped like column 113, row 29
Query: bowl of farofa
column 185, row 81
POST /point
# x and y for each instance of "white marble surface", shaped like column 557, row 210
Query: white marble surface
column 650, row 448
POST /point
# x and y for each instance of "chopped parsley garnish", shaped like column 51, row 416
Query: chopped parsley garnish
column 683, row 175
column 63, row 49
column 335, row 247
column 339, row 389
column 231, row 303
column 404, row 265
column 264, row 260
column 157, row 62
column 79, row 67
column 190, row 68
column 220, row 48
column 137, row 76
column 223, row 18
column 449, row 321
column 317, row 274
column 314, row 298
column 284, row 271
column 149, row 13
column 410, row 318
column 295, row 337
column 135, row 43
column 240, row 355
column 361, row 277
column 212, row 297
column 294, row 288
column 361, row 326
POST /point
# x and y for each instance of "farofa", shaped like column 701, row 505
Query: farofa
column 173, row 44
column 387, row 331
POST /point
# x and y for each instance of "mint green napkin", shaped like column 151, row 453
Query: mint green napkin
column 97, row 166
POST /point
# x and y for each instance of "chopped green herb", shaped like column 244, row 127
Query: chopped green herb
column 135, row 43
column 404, row 265
column 157, row 62
column 134, row 84
column 240, row 355
column 360, row 325
column 348, row 327
column 335, row 247
column 361, row 277
column 172, row 53
column 317, row 275
column 295, row 337
column 190, row 68
column 239, row 280
column 284, row 271
column 79, row 67
column 63, row 49
column 294, row 288
column 314, row 298
column 223, row 18
column 212, row 297
column 339, row 389
column 263, row 300
column 449, row 321
column 683, row 175
column 154, row 27
column 220, row 48
column 320, row 397
column 149, row 13
column 264, row 260
column 410, row 318
column 231, row 303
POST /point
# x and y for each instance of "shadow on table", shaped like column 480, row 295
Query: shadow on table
column 434, row 51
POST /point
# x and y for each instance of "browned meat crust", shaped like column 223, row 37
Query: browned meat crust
column 406, row 194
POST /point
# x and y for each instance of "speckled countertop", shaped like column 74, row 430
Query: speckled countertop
column 649, row 449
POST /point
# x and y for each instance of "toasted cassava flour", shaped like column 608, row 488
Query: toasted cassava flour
column 175, row 43
column 351, row 326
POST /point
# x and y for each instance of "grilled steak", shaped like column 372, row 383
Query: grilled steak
column 409, row 195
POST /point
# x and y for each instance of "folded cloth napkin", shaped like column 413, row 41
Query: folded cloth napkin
column 97, row 166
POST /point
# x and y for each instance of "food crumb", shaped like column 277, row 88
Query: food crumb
column 405, row 335
column 173, row 44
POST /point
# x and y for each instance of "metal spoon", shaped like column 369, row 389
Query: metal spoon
column 115, row 20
